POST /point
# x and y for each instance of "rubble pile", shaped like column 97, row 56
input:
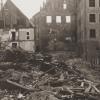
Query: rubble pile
column 45, row 78
column 14, row 55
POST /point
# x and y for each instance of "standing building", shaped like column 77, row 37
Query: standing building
column 15, row 28
column 88, row 29
column 56, row 25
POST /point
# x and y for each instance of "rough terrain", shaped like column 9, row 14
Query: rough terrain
column 51, row 76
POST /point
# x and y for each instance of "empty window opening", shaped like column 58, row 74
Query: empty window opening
column 58, row 19
column 68, row 19
column 14, row 45
column 48, row 19
column 13, row 36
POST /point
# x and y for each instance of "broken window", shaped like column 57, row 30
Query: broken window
column 68, row 19
column 49, row 19
column 28, row 37
column 64, row 6
column 13, row 36
column 14, row 45
column 58, row 19
column 27, row 33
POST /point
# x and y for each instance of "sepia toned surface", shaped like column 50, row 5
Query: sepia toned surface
column 52, row 56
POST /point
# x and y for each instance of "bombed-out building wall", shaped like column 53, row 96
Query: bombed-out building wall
column 55, row 24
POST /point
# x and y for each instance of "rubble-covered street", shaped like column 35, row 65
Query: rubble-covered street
column 53, row 76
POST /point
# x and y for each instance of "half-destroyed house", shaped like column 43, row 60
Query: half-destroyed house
column 15, row 29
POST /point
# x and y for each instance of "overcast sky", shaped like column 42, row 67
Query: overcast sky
column 28, row 7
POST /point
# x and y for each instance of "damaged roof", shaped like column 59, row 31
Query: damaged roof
column 12, row 17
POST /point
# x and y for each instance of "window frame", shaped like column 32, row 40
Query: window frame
column 14, row 45
column 28, row 37
column 92, row 19
column 92, row 33
column 28, row 33
column 92, row 3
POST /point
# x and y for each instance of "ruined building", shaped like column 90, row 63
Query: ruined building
column 69, row 21
column 15, row 29
column 56, row 25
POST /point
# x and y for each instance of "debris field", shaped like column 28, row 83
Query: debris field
column 27, row 76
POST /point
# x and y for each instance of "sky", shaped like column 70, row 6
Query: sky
column 28, row 7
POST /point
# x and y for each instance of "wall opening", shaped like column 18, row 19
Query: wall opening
column 13, row 36
column 14, row 45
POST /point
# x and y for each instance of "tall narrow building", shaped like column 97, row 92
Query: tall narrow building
column 88, row 29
